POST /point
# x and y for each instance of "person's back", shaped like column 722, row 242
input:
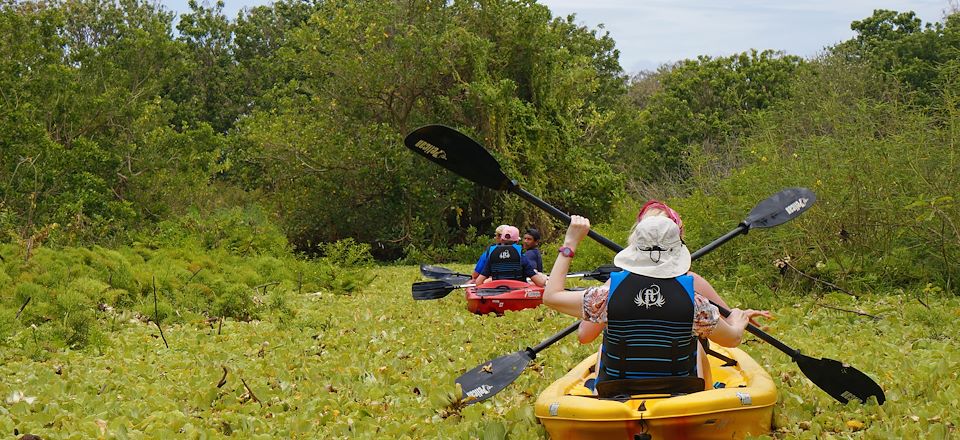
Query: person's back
column 507, row 262
column 648, row 332
column 650, row 310
column 482, row 261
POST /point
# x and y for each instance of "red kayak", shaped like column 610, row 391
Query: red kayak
column 497, row 296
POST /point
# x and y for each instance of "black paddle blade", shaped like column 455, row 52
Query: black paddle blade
column 432, row 290
column 456, row 152
column 840, row 381
column 442, row 273
column 780, row 208
column 489, row 378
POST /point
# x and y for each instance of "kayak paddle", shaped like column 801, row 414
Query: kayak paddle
column 440, row 288
column 459, row 153
column 442, row 273
column 439, row 272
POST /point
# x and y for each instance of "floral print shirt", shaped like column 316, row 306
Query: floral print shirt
column 705, row 315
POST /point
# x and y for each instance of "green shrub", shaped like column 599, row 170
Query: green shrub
column 238, row 230
column 322, row 275
column 347, row 253
column 5, row 280
column 235, row 301
column 75, row 316
column 38, row 310
column 90, row 288
column 162, row 312
column 8, row 324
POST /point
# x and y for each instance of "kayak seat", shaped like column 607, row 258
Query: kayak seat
column 624, row 388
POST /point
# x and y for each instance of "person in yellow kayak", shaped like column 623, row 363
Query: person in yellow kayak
column 508, row 262
column 589, row 331
column 651, row 313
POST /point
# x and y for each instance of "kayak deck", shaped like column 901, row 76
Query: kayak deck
column 744, row 406
column 498, row 296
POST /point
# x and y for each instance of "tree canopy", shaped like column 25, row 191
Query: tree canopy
column 118, row 118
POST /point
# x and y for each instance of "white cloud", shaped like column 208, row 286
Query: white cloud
column 649, row 33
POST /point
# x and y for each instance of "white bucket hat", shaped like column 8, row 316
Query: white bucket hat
column 655, row 250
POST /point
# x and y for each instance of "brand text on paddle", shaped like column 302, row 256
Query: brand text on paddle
column 479, row 391
column 431, row 149
column 795, row 206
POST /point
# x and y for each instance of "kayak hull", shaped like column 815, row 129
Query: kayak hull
column 743, row 407
column 498, row 296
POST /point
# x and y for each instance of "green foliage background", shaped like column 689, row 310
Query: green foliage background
column 235, row 182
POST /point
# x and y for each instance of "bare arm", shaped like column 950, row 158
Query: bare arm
column 555, row 294
column 539, row 279
column 703, row 287
column 589, row 331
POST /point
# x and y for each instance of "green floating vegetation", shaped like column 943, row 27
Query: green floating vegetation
column 377, row 363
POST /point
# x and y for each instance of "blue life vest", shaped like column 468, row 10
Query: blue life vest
column 505, row 263
column 649, row 329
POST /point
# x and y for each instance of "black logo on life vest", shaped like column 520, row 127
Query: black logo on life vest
column 650, row 297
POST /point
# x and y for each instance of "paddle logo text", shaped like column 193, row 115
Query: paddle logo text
column 795, row 206
column 650, row 297
column 479, row 391
column 431, row 150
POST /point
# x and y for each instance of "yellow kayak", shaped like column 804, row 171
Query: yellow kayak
column 744, row 406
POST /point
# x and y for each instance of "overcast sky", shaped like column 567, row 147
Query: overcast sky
column 649, row 33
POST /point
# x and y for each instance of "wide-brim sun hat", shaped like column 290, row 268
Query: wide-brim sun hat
column 655, row 250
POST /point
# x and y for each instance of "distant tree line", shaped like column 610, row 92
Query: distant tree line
column 118, row 118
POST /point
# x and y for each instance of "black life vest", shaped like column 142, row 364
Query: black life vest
column 649, row 329
column 505, row 264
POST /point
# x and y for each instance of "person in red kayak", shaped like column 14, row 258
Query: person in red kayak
column 651, row 313
column 507, row 262
column 531, row 248
column 482, row 261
